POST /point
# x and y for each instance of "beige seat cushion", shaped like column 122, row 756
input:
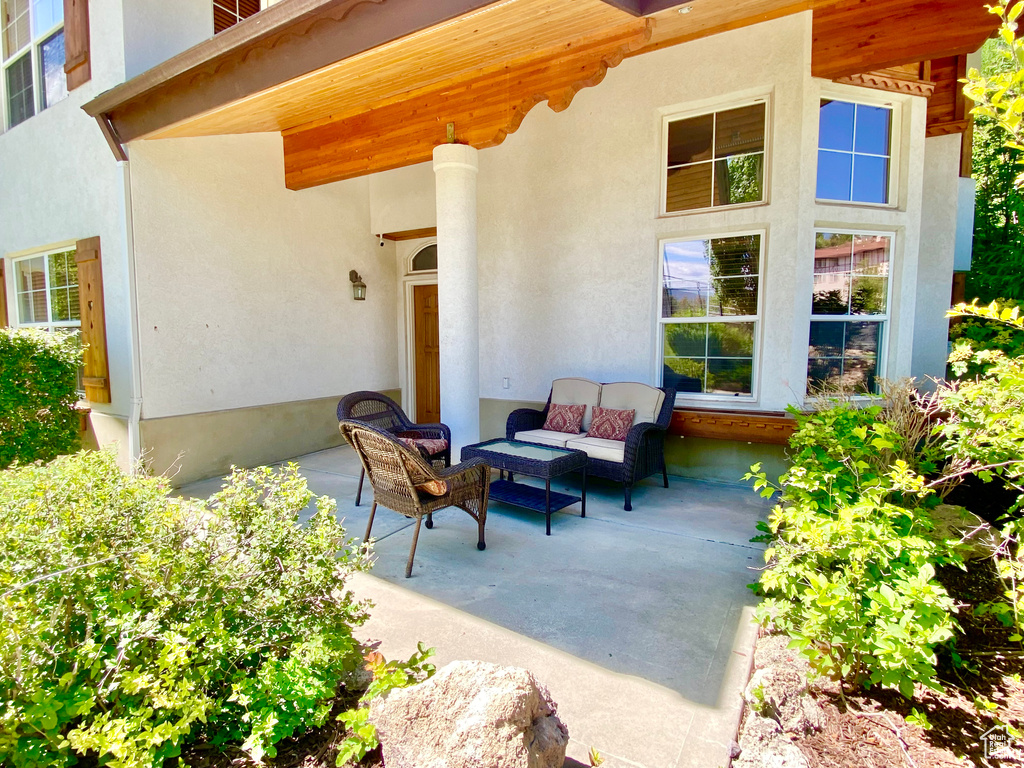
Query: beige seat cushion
column 631, row 395
column 599, row 448
column 577, row 392
column 544, row 437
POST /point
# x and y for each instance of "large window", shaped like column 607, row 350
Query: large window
column 715, row 159
column 46, row 290
column 32, row 37
column 710, row 297
column 850, row 311
column 854, row 152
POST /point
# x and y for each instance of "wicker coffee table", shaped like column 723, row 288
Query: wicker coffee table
column 535, row 460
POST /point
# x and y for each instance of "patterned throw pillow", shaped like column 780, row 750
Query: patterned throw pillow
column 434, row 487
column 565, row 418
column 610, row 424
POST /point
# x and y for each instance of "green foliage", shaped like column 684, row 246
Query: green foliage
column 134, row 623
column 998, row 253
column 38, row 382
column 851, row 562
column 387, row 675
column 983, row 330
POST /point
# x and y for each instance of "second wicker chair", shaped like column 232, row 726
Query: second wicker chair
column 403, row 481
column 433, row 441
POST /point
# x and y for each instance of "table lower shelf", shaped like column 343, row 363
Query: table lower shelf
column 529, row 496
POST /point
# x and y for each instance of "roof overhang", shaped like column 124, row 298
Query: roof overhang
column 337, row 73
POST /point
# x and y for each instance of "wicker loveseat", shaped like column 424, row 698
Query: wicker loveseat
column 640, row 455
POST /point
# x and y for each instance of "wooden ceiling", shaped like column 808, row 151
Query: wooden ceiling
column 484, row 69
column 497, row 33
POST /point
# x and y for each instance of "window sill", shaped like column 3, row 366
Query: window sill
column 771, row 427
column 711, row 209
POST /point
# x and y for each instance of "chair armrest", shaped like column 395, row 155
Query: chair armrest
column 523, row 419
column 640, row 440
column 434, row 431
column 471, row 472
column 468, row 464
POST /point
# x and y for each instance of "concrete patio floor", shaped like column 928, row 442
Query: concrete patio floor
column 638, row 622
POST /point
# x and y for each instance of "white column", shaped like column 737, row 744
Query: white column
column 455, row 171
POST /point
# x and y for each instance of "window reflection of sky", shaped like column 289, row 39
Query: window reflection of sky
column 686, row 265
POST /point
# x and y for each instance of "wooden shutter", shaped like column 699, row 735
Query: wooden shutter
column 94, row 327
column 3, row 295
column 77, row 65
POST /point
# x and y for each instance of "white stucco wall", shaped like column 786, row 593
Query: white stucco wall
column 570, row 226
column 156, row 30
column 244, row 291
column 938, row 242
column 403, row 199
column 569, row 223
column 61, row 183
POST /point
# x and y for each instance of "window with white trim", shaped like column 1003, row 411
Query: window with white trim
column 227, row 13
column 854, row 152
column 715, row 159
column 425, row 259
column 850, row 311
column 710, row 314
column 46, row 290
column 32, row 48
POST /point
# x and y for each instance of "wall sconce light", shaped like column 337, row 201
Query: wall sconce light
column 358, row 286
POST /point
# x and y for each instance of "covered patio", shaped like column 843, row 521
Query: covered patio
column 638, row 622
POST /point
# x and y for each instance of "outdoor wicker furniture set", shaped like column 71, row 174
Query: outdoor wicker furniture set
column 408, row 464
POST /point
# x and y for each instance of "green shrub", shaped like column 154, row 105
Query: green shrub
column 38, row 382
column 851, row 564
column 134, row 623
column 980, row 333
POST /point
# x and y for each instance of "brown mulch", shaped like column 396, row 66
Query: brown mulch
column 869, row 730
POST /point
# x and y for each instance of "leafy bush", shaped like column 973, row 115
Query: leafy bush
column 133, row 622
column 38, row 382
column 851, row 564
column 980, row 333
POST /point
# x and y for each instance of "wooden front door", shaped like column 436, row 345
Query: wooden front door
column 428, row 354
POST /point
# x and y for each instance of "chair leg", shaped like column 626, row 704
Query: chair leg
column 369, row 523
column 664, row 474
column 359, row 493
column 430, row 520
column 412, row 551
column 629, row 494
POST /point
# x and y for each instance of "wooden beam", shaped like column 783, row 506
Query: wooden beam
column 484, row 107
column 411, row 234
column 853, row 36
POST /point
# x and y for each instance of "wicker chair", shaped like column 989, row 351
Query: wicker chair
column 400, row 478
column 384, row 413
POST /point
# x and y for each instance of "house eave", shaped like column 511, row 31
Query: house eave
column 283, row 42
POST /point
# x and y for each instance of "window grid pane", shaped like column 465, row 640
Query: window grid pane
column 854, row 152
column 46, row 288
column 20, row 95
column 851, row 280
column 709, row 314
column 716, row 159
column 14, row 16
column 51, row 65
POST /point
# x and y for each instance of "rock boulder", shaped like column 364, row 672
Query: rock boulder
column 471, row 714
